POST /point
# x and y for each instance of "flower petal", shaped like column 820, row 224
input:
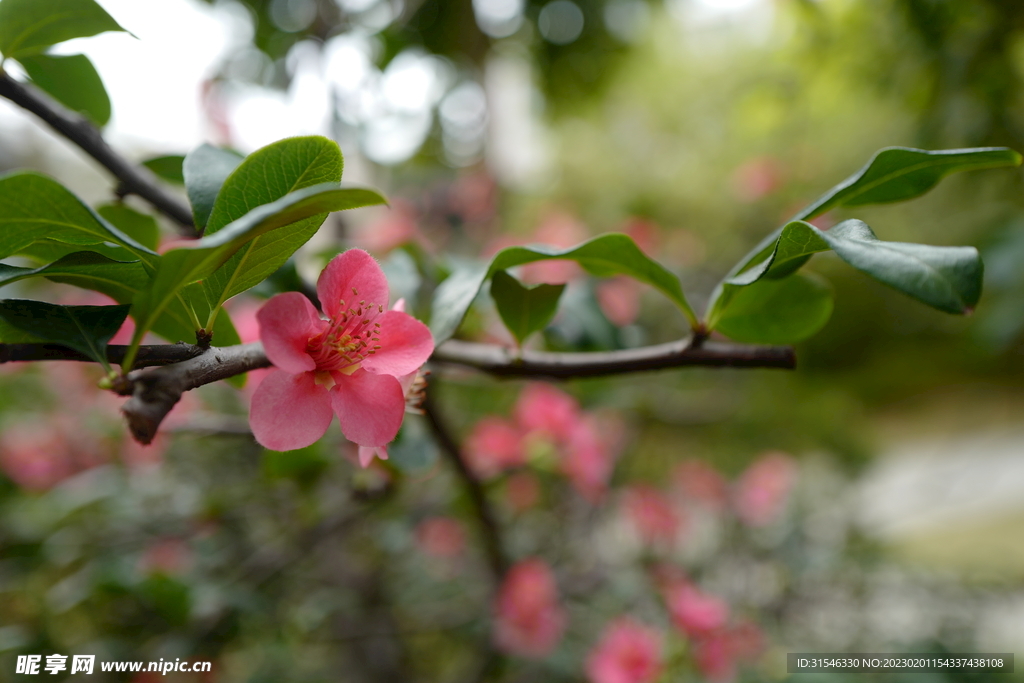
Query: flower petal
column 353, row 270
column 367, row 453
column 405, row 344
column 287, row 322
column 289, row 411
column 370, row 407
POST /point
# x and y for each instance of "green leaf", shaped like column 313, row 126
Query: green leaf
column 946, row 278
column 524, row 310
column 610, row 254
column 34, row 208
column 893, row 174
column 267, row 175
column 168, row 168
column 140, row 227
column 896, row 174
column 72, row 81
column 778, row 311
column 88, row 270
column 196, row 260
column 86, row 329
column 30, row 26
column 204, row 171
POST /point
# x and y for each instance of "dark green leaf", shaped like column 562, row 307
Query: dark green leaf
column 86, row 329
column 264, row 177
column 72, row 81
column 778, row 311
column 196, row 260
column 611, row 254
column 524, row 310
column 896, row 174
column 34, row 208
column 204, row 171
column 88, row 270
column 168, row 168
column 946, row 278
column 140, row 227
column 30, row 26
column 893, row 174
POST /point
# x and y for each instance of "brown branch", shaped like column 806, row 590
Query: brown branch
column 490, row 531
column 500, row 361
column 154, row 392
column 133, row 179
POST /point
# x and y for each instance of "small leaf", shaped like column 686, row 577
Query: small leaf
column 167, row 167
column 30, row 26
column 86, row 329
column 73, row 81
column 265, row 176
column 946, row 278
column 610, row 254
column 196, row 260
column 35, row 208
column 524, row 310
column 778, row 311
column 204, row 171
column 140, row 227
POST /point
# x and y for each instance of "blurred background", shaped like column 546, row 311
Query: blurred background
column 869, row 501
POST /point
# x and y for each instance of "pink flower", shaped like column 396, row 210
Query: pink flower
column 348, row 365
column 762, row 490
column 528, row 619
column 543, row 408
column 441, row 537
column 717, row 654
column 694, row 612
column 652, row 514
column 494, row 446
column 588, row 461
column 619, row 299
column 628, row 652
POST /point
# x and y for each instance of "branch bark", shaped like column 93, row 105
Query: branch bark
column 133, row 179
column 182, row 367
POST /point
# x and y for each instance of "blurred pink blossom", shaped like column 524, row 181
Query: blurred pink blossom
column 167, row 556
column 543, row 408
column 393, row 228
column 757, row 177
column 529, row 620
column 619, row 298
column 628, row 652
column 441, row 537
column 694, row 612
column 522, row 490
column 717, row 654
column 701, row 483
column 588, row 461
column 652, row 514
column 763, row 489
column 494, row 445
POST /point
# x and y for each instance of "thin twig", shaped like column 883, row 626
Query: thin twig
column 490, row 531
column 133, row 179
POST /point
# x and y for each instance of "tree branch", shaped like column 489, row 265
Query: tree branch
column 500, row 361
column 134, row 179
column 490, row 532
column 154, row 392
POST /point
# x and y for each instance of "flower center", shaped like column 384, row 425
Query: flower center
column 351, row 336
